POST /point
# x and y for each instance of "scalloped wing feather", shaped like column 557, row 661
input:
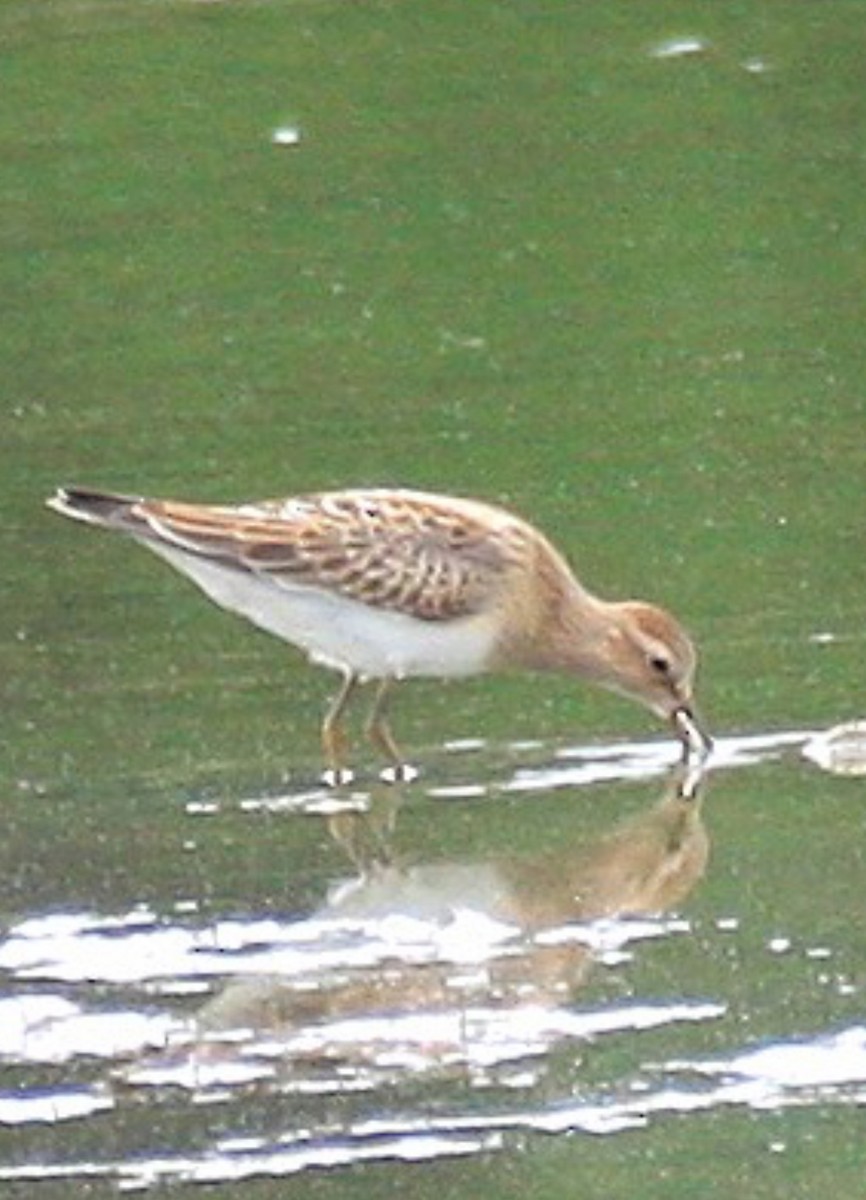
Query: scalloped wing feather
column 429, row 558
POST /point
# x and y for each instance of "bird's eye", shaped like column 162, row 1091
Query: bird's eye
column 660, row 664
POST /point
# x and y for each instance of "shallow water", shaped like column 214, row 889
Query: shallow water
column 612, row 966
column 600, row 263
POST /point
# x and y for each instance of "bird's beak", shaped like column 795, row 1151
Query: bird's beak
column 697, row 743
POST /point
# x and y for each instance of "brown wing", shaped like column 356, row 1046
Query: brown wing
column 429, row 557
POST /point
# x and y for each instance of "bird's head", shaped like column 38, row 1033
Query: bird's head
column 652, row 660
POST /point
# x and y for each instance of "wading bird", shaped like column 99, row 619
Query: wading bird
column 384, row 584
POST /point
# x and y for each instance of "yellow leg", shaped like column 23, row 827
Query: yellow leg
column 334, row 744
column 379, row 733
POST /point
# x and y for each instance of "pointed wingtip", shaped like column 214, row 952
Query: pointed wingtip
column 59, row 502
column 89, row 504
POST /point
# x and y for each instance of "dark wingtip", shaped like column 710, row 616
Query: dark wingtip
column 63, row 500
column 90, row 504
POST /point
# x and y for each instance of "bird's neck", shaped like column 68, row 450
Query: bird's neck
column 577, row 635
column 569, row 626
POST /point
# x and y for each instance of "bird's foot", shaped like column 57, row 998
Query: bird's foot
column 399, row 773
column 334, row 777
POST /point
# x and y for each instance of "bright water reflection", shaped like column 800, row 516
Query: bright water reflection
column 462, row 978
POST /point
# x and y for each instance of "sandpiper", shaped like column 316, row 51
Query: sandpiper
column 384, row 584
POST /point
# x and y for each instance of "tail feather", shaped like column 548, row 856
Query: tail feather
column 96, row 507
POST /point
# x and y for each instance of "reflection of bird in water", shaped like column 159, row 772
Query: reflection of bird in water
column 387, row 584
column 647, row 865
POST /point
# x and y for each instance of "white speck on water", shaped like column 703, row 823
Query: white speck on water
column 467, row 745
column 679, row 47
column 756, row 66
column 463, row 341
column 779, row 945
column 286, row 135
column 822, row 638
column 462, row 791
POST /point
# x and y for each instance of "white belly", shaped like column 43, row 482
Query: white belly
column 339, row 632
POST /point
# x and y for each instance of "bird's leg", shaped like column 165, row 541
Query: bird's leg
column 333, row 736
column 379, row 732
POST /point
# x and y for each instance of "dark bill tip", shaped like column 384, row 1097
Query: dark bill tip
column 697, row 743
